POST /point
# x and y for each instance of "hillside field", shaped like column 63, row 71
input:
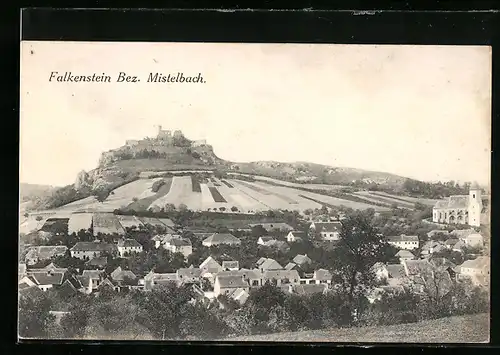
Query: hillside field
column 212, row 195
column 460, row 329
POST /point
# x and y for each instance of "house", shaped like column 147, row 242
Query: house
column 189, row 275
column 450, row 243
column 431, row 247
column 210, row 265
column 51, row 266
column 95, row 277
column 36, row 254
column 264, row 264
column 90, row 250
column 153, row 279
column 427, row 278
column 474, row 240
column 67, row 289
column 240, row 295
column 478, row 270
column 179, row 245
column 462, row 233
column 161, row 239
column 48, row 279
column 253, row 277
column 228, row 284
column 433, row 233
column 230, row 265
column 308, row 289
column 295, row 236
column 327, row 230
column 376, row 293
column 281, row 277
column 302, row 260
column 290, row 266
column 86, row 284
column 221, row 238
column 99, row 262
column 120, row 277
column 408, row 242
column 109, row 284
column 270, row 227
column 265, row 240
column 128, row 246
column 460, row 209
column 322, row 276
column 380, row 271
column 404, row 255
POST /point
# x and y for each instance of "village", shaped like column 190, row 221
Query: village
column 208, row 263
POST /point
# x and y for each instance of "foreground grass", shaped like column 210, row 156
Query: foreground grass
column 460, row 329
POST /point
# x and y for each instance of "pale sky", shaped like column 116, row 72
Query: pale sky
column 417, row 111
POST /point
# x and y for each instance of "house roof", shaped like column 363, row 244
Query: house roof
column 221, row 238
column 48, row 278
column 231, row 281
column 418, row 267
column 93, row 246
column 84, row 280
column 474, row 235
column 230, row 264
column 158, row 277
column 290, row 266
column 119, row 274
column 92, row 274
column 98, row 261
column 404, row 254
column 270, row 264
column 322, row 274
column 179, row 242
column 188, row 272
column 210, row 263
column 309, row 289
column 437, row 231
column 403, row 238
column 396, row 271
column 480, row 263
column 67, row 288
column 451, row 241
column 302, row 259
column 129, row 243
column 245, row 273
column 272, row 226
column 441, row 262
column 298, row 234
column 266, row 239
column 281, row 274
column 327, row 227
column 455, row 201
column 462, row 233
column 46, row 252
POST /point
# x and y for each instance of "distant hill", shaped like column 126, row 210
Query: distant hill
column 28, row 192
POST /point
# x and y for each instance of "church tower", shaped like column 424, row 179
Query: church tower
column 475, row 206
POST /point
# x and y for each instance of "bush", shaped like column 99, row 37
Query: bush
column 156, row 185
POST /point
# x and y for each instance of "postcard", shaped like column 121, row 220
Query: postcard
column 236, row 192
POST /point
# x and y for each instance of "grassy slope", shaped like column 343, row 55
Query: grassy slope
column 460, row 329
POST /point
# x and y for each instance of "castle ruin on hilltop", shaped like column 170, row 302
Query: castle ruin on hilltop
column 164, row 137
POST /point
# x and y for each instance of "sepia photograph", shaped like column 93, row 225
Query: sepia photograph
column 248, row 192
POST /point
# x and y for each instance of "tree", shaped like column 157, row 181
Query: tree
column 183, row 207
column 234, row 209
column 39, row 218
column 359, row 248
column 34, row 314
column 26, row 215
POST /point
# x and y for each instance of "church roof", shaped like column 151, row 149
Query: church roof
column 455, row 201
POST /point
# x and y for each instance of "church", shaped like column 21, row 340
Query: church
column 460, row 209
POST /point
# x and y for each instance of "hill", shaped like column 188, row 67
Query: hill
column 28, row 192
column 461, row 329
column 168, row 153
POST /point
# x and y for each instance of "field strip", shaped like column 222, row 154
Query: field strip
column 206, row 196
column 242, row 187
column 79, row 221
column 217, row 196
column 369, row 199
column 106, row 223
column 129, row 221
column 389, row 200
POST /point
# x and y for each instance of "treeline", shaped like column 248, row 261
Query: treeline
column 168, row 312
